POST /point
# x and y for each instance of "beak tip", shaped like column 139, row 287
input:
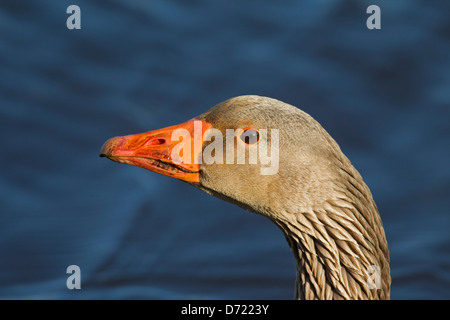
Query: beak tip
column 108, row 147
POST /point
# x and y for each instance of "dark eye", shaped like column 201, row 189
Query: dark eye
column 249, row 135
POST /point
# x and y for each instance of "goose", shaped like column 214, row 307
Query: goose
column 273, row 159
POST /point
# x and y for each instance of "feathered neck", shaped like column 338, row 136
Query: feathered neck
column 339, row 245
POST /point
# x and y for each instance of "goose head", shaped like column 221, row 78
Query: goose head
column 273, row 159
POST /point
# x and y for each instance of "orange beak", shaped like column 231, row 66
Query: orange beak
column 173, row 151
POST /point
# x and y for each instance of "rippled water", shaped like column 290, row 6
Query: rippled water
column 140, row 65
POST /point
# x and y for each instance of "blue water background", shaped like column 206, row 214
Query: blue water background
column 135, row 66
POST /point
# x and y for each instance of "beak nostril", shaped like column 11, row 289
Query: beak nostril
column 154, row 142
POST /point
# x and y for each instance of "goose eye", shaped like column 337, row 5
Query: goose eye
column 249, row 136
